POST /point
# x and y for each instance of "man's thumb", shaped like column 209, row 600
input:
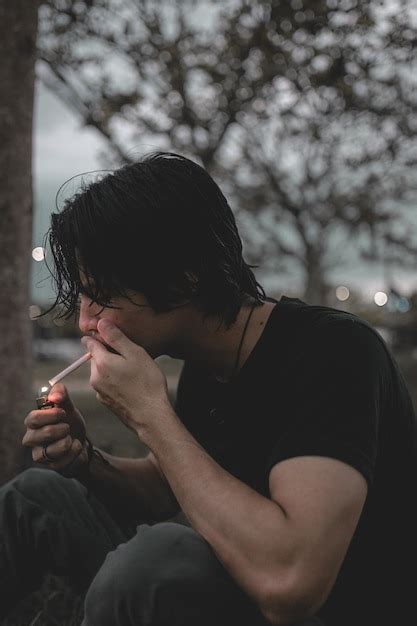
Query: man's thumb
column 59, row 395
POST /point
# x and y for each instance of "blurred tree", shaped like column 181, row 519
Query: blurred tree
column 302, row 110
column 18, row 27
column 334, row 151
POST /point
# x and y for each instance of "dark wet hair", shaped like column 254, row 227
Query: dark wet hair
column 160, row 226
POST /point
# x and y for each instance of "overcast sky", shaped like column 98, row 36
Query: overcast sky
column 63, row 148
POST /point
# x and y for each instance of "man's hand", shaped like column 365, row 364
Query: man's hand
column 129, row 383
column 61, row 428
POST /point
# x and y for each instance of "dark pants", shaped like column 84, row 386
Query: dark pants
column 132, row 574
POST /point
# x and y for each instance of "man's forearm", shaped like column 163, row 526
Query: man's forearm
column 130, row 487
column 241, row 525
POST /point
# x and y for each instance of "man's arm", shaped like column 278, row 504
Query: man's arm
column 265, row 544
column 136, row 487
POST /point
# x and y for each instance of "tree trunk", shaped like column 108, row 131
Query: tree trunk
column 316, row 290
column 18, row 30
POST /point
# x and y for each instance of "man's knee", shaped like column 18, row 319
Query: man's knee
column 30, row 483
column 36, row 487
column 33, row 480
column 156, row 554
column 149, row 577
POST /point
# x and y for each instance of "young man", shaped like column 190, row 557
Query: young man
column 291, row 448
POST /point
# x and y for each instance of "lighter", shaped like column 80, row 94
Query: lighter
column 42, row 401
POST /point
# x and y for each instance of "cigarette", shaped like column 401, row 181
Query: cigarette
column 86, row 357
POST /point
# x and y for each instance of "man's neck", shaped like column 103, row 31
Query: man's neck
column 215, row 350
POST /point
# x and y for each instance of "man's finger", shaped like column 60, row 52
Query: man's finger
column 45, row 435
column 55, row 450
column 115, row 338
column 65, row 460
column 41, row 417
column 59, row 395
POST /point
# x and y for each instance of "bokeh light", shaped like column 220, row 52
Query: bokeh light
column 34, row 311
column 39, row 253
column 404, row 305
column 342, row 293
column 380, row 298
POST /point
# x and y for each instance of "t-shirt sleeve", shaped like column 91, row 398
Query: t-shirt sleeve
column 341, row 380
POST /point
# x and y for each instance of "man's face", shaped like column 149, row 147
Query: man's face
column 140, row 324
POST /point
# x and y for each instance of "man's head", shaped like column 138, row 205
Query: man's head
column 159, row 228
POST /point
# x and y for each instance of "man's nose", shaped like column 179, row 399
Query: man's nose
column 85, row 324
column 88, row 318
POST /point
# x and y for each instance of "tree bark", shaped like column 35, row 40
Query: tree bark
column 316, row 289
column 316, row 292
column 18, row 31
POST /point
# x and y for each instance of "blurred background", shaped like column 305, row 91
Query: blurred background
column 303, row 111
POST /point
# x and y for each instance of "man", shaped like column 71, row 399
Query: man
column 291, row 449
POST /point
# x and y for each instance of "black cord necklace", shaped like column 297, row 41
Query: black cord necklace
column 214, row 412
column 240, row 348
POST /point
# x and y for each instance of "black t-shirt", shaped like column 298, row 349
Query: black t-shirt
column 322, row 382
